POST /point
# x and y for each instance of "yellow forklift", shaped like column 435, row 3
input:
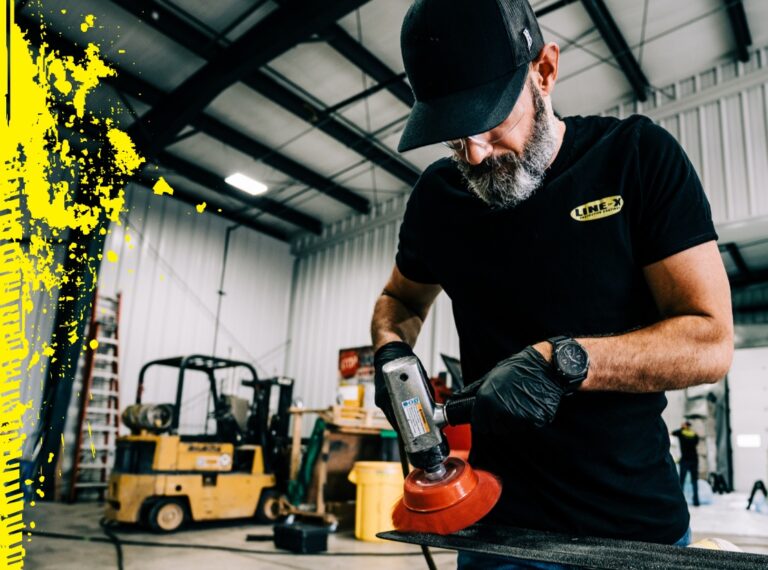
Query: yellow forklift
column 163, row 479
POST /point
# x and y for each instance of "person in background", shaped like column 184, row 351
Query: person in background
column 689, row 457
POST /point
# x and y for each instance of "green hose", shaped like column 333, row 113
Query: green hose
column 297, row 488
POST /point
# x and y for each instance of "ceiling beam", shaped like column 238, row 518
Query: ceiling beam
column 738, row 18
column 201, row 44
column 213, row 181
column 234, row 138
column 753, row 278
column 738, row 259
column 338, row 38
column 279, row 31
column 93, row 133
column 373, row 89
column 316, row 116
column 171, row 25
column 145, row 92
column 608, row 29
column 754, row 308
column 552, row 7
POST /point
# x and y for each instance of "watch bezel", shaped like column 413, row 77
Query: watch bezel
column 559, row 350
column 570, row 382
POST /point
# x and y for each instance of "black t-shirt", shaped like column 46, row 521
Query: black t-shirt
column 688, row 443
column 621, row 194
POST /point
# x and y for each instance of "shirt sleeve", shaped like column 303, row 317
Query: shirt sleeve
column 410, row 258
column 674, row 212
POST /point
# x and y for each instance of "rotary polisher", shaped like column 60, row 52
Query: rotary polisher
column 442, row 494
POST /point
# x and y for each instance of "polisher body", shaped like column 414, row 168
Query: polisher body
column 442, row 494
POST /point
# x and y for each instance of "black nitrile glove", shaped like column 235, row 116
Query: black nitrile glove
column 521, row 389
column 387, row 353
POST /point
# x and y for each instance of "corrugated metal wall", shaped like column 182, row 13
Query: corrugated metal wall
column 335, row 289
column 168, row 270
column 718, row 116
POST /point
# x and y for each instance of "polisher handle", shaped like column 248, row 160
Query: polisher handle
column 459, row 410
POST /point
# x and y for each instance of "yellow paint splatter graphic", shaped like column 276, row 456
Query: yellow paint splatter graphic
column 201, row 208
column 94, row 344
column 64, row 169
column 87, row 23
column 111, row 256
column 162, row 187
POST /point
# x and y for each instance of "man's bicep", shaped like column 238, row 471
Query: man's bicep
column 691, row 282
column 417, row 297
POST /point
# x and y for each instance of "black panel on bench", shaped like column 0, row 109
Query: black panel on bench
column 597, row 553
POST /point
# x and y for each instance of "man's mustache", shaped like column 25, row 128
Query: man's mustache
column 492, row 163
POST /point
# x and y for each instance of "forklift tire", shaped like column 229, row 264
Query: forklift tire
column 166, row 515
column 268, row 509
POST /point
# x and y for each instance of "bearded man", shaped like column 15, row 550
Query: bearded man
column 581, row 260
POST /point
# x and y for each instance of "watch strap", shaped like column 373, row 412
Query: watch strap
column 556, row 340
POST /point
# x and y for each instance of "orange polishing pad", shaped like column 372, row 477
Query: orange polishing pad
column 459, row 499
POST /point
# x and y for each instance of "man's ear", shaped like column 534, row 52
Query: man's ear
column 545, row 66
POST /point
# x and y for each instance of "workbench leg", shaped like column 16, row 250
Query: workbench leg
column 295, row 447
column 322, row 473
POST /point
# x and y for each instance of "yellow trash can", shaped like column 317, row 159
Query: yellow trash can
column 379, row 486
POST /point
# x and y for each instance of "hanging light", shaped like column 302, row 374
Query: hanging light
column 246, row 184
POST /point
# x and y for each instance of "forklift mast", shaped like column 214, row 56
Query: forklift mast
column 271, row 435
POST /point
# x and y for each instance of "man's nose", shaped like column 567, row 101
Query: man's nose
column 477, row 152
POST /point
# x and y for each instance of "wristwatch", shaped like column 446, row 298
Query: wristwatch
column 570, row 361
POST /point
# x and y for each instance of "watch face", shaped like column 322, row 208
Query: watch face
column 572, row 359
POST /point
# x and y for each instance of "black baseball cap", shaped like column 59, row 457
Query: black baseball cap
column 467, row 61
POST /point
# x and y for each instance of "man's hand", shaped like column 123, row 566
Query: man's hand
column 387, row 353
column 519, row 390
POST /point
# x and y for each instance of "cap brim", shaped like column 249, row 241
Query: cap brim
column 464, row 113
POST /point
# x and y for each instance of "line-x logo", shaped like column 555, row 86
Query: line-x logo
column 598, row 209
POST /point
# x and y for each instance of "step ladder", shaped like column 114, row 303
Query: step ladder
column 99, row 416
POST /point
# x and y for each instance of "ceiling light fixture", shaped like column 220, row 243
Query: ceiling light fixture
column 246, row 184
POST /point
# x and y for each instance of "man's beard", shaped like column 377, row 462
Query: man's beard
column 506, row 180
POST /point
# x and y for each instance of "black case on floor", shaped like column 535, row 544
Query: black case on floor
column 301, row 538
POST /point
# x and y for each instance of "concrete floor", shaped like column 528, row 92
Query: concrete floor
column 43, row 553
column 725, row 518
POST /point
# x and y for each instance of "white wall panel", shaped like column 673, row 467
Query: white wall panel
column 338, row 280
column 719, row 116
column 168, row 274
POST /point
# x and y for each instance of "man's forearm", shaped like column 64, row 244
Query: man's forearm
column 393, row 321
column 669, row 355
